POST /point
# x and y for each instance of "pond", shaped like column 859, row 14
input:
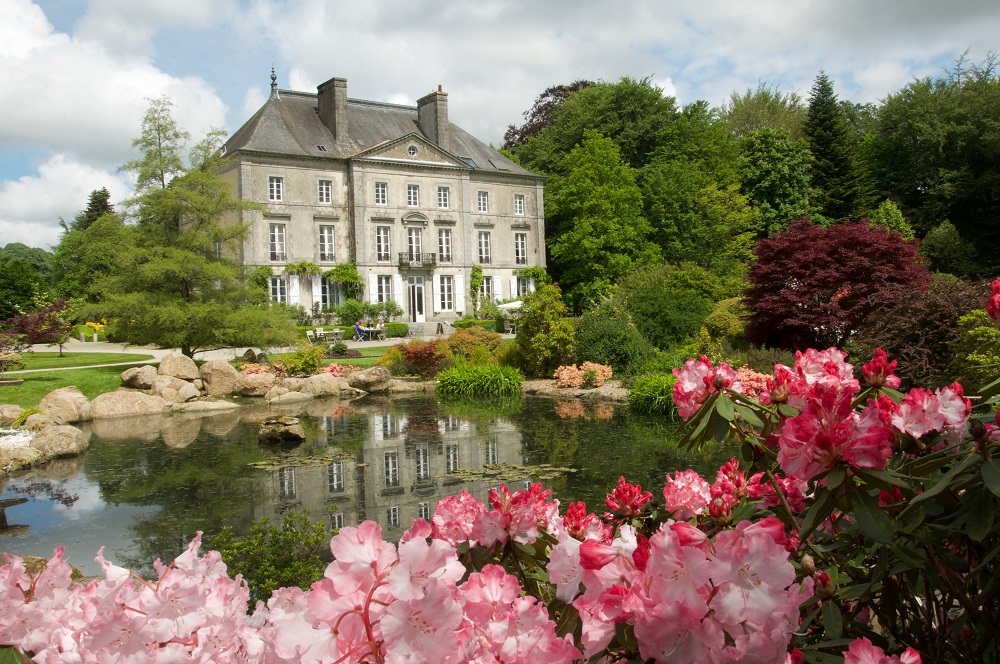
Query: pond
column 148, row 484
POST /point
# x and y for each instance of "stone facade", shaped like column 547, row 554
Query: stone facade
column 410, row 198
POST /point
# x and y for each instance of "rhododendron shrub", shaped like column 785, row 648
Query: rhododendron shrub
column 887, row 500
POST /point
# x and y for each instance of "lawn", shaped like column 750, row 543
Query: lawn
column 46, row 360
column 367, row 359
column 36, row 385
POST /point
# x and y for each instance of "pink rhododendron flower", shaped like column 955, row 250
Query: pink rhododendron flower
column 752, row 382
column 922, row 411
column 581, row 524
column 993, row 305
column 862, row 651
column 878, row 372
column 360, row 555
column 828, row 368
column 626, row 500
column 686, row 494
column 792, row 488
column 455, row 516
column 697, row 380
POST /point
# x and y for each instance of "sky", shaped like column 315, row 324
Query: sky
column 77, row 74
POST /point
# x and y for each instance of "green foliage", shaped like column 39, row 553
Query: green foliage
column 23, row 416
column 653, row 394
column 669, row 303
column 346, row 274
column 466, row 323
column 976, row 351
column 396, row 329
column 98, row 205
column 271, row 556
column 948, row 251
column 160, row 147
column 305, row 361
column 303, row 269
column 603, row 235
column 889, row 215
column 19, row 283
column 727, row 319
column 395, row 361
column 606, row 335
column 339, row 348
column 475, row 283
column 41, row 261
column 775, row 176
column 835, row 174
column 464, row 342
column 764, row 108
column 535, row 273
column 544, row 338
column 760, row 358
column 479, row 380
column 701, row 344
column 350, row 312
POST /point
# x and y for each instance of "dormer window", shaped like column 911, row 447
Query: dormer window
column 412, row 150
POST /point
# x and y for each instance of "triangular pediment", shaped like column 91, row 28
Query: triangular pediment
column 412, row 148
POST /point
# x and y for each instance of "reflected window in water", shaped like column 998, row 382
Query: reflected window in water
column 423, row 463
column 392, row 516
column 492, row 454
column 335, row 477
column 337, row 520
column 286, row 483
column 387, row 426
column 424, row 511
column 391, row 469
column 451, row 458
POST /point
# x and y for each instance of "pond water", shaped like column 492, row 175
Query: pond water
column 148, row 484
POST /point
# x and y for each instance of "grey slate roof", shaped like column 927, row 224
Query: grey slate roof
column 288, row 124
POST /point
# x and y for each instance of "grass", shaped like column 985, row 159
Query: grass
column 47, row 360
column 36, row 385
column 367, row 359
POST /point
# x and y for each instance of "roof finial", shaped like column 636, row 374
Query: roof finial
column 274, row 83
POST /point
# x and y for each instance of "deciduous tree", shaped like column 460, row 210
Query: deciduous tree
column 542, row 114
column 767, row 107
column 775, row 175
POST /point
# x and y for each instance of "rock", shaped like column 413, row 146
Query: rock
column 178, row 365
column 291, row 397
column 188, row 393
column 178, row 432
column 325, row 385
column 126, row 403
column 58, row 441
column 171, row 395
column 374, row 380
column 254, row 385
column 205, row 406
column 250, row 356
column 163, row 383
column 279, row 430
column 199, row 383
column 37, row 422
column 221, row 424
column 262, row 359
column 8, row 413
column 219, row 377
column 293, row 383
column 139, row 378
column 275, row 392
column 19, row 457
column 65, row 405
column 146, row 427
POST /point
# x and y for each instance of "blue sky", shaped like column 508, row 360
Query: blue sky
column 77, row 73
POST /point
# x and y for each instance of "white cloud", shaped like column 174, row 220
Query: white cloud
column 31, row 206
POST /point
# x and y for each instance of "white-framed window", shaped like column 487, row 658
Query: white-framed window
column 519, row 205
column 329, row 293
column 424, row 511
column 337, row 520
column 492, row 454
column 392, row 517
column 484, row 246
column 414, row 242
column 275, row 188
column 522, row 286
column 217, row 249
column 482, row 201
column 325, row 193
column 279, row 290
column 486, row 289
column 423, row 459
column 335, row 477
column 381, row 193
column 444, row 245
column 382, row 248
column 391, row 474
column 327, row 238
column 521, row 248
column 383, row 288
column 413, row 195
column 447, row 292
column 451, row 459
column 443, row 196
column 277, row 242
column 286, row 483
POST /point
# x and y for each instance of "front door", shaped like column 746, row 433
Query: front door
column 415, row 290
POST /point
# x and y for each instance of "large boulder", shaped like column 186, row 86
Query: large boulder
column 281, row 430
column 37, row 422
column 290, row 397
column 325, row 385
column 188, row 392
column 58, row 441
column 219, row 377
column 8, row 413
column 139, row 378
column 178, row 365
column 65, row 405
column 126, row 403
column 254, row 385
column 167, row 383
column 374, row 380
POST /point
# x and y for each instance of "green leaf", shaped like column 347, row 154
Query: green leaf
column 982, row 507
column 872, row 519
column 883, row 479
column 787, row 411
column 724, row 407
column 11, row 655
column 721, row 431
column 938, row 487
column 750, row 417
column 833, row 621
column 991, row 476
column 820, row 509
column 835, row 477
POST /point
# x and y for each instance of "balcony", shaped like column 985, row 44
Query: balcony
column 278, row 256
column 327, row 257
column 415, row 261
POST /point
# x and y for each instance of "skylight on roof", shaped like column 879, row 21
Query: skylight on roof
column 321, row 148
column 499, row 165
column 469, row 162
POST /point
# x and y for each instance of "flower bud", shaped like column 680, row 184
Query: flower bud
column 718, row 382
column 779, row 394
column 824, row 588
column 808, row 565
column 977, row 429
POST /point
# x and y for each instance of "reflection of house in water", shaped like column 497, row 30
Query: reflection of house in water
column 408, row 463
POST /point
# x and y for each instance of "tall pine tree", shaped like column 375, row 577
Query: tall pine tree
column 835, row 174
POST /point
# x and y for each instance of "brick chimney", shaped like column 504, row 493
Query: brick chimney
column 432, row 117
column 332, row 97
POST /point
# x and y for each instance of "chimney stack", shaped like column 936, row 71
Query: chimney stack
column 332, row 97
column 432, row 118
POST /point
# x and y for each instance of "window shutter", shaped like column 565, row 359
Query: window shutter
column 397, row 289
column 531, row 285
column 460, row 293
column 372, row 288
column 435, row 289
column 513, row 287
column 293, row 289
column 317, row 291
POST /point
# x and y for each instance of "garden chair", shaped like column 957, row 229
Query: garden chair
column 360, row 334
column 320, row 333
column 311, row 336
